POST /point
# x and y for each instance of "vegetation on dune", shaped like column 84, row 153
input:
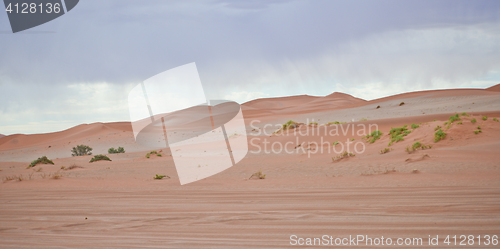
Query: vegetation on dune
column 454, row 118
column 343, row 155
column 402, row 103
column 290, row 125
column 159, row 177
column 398, row 133
column 495, row 119
column 439, row 135
column 378, row 107
column 152, row 152
column 375, row 135
column 335, row 143
column 99, row 158
column 386, row 150
column 81, row 150
column 116, row 151
column 258, row 175
column 416, row 146
column 485, row 118
column 335, row 122
column 437, row 128
column 42, row 160
column 473, row 121
column 312, row 123
column 363, row 119
column 465, row 114
column 459, row 122
column 414, row 126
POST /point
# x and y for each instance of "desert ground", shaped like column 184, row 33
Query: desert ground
column 451, row 187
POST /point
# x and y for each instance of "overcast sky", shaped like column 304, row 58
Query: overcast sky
column 80, row 67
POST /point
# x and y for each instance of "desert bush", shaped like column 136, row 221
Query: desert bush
column 312, row 123
column 477, row 131
column 159, row 177
column 402, row 103
column 454, row 118
column 99, row 157
column 375, row 135
column 258, row 175
column 290, row 125
column 343, row 155
column 81, row 150
column 437, row 128
column 335, row 143
column 116, row 151
column 479, row 127
column 152, row 152
column 439, row 135
column 43, row 160
column 416, row 146
column 485, row 118
column 473, row 121
column 414, row 126
column 378, row 107
column 459, row 122
column 335, row 122
column 386, row 150
column 398, row 133
column 363, row 119
column 495, row 119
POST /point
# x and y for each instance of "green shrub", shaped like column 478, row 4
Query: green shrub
column 312, row 123
column 465, row 114
column 363, row 119
column 439, row 135
column 454, row 118
column 152, row 152
column 378, row 107
column 99, row 157
column 477, row 131
column 81, row 150
column 290, row 125
column 159, row 177
column 386, row 150
column 402, row 103
column 485, row 118
column 495, row 119
column 115, row 151
column 479, row 127
column 375, row 135
column 459, row 122
column 398, row 133
column 343, row 155
column 414, row 126
column 473, row 121
column 335, row 143
column 43, row 160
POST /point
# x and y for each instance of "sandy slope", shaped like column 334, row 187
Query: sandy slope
column 452, row 188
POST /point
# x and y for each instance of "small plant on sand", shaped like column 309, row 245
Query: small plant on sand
column 363, row 119
column 454, row 118
column 437, row 128
column 290, row 125
column 43, row 160
column 343, row 155
column 465, row 114
column 402, row 103
column 99, row 158
column 152, row 152
column 313, row 123
column 414, row 126
column 375, row 135
column 73, row 166
column 473, row 121
column 398, row 133
column 495, row 119
column 459, row 122
column 386, row 150
column 159, row 177
column 335, row 143
column 352, row 139
column 335, row 122
column 62, row 167
column 439, row 135
column 258, row 175
column 56, row 175
column 485, row 118
column 378, row 107
column 116, row 151
column 81, row 150
column 477, row 131
column 416, row 146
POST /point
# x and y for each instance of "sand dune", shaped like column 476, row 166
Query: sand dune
column 309, row 189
